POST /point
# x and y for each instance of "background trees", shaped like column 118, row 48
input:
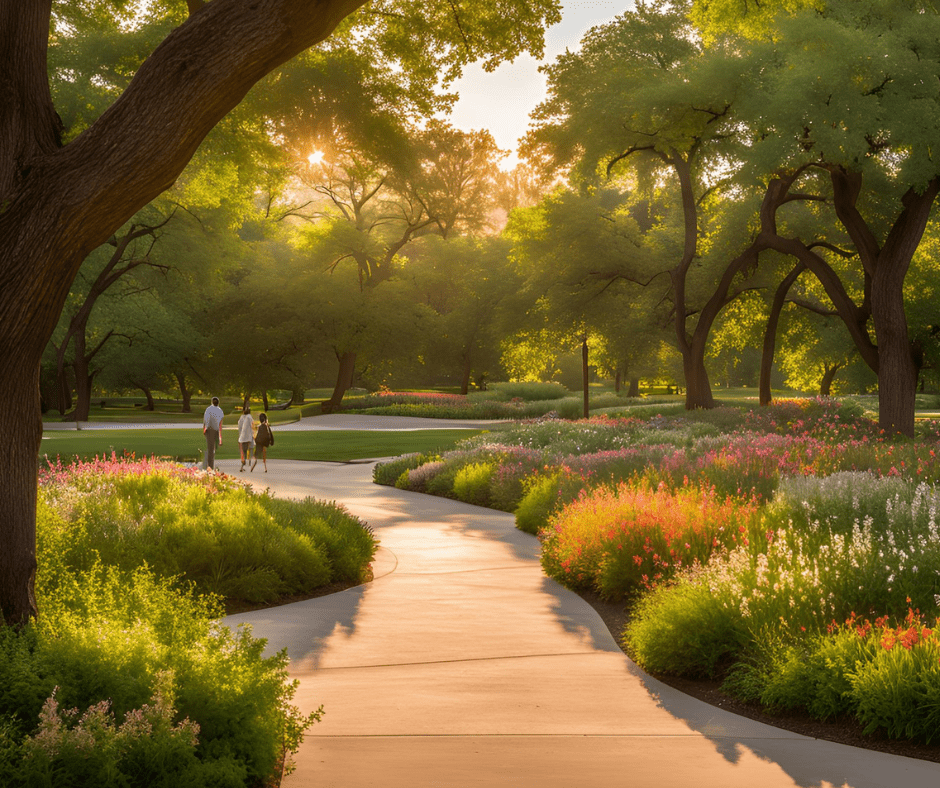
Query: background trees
column 707, row 149
column 64, row 196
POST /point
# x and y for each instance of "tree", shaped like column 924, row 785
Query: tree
column 643, row 94
column 125, row 257
column 436, row 181
column 586, row 262
column 61, row 201
column 466, row 282
column 848, row 90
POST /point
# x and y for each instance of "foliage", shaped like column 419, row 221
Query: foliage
column 208, row 530
column 740, row 536
column 850, row 547
column 389, row 471
column 127, row 678
column 544, row 494
column 472, row 483
column 618, row 541
column 529, row 392
column 189, row 702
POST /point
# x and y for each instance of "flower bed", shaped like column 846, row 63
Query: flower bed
column 740, row 537
column 210, row 530
column 126, row 677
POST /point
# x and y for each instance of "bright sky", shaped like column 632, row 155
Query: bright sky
column 502, row 100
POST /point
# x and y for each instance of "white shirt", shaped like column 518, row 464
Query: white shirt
column 213, row 418
column 244, row 428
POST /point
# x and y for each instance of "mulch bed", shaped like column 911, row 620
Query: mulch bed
column 845, row 731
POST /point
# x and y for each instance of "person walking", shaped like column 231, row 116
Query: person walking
column 263, row 439
column 212, row 429
column 246, row 439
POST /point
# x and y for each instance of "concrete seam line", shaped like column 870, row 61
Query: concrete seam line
column 475, row 659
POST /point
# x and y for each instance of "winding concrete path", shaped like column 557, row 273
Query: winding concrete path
column 462, row 665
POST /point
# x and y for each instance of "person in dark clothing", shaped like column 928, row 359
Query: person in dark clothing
column 263, row 439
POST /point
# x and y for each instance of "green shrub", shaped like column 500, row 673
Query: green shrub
column 898, row 690
column 417, row 479
column 544, row 494
column 348, row 542
column 208, row 530
column 684, row 630
column 472, row 483
column 442, row 483
column 811, row 676
column 390, row 471
column 148, row 748
column 530, row 392
column 127, row 650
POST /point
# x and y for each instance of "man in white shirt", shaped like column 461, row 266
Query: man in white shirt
column 212, row 429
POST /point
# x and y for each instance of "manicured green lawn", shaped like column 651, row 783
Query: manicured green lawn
column 170, row 414
column 330, row 445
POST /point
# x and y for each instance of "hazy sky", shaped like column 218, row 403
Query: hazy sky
column 502, row 100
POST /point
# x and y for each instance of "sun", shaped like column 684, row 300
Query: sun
column 316, row 157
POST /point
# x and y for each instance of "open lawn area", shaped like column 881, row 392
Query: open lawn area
column 188, row 445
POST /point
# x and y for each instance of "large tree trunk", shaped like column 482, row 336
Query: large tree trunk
column 60, row 203
column 634, row 390
column 770, row 333
column 185, row 393
column 20, row 433
column 698, row 390
column 829, row 375
column 83, row 381
column 297, row 396
column 344, row 381
column 897, row 374
column 618, row 375
column 148, row 394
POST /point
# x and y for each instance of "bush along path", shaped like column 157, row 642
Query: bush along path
column 791, row 554
column 462, row 664
column 126, row 678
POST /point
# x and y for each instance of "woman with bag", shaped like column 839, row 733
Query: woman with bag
column 263, row 439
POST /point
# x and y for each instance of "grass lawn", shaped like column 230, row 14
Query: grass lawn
column 330, row 445
column 168, row 414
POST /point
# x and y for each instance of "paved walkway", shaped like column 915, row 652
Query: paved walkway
column 462, row 665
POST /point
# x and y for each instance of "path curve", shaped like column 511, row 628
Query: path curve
column 462, row 665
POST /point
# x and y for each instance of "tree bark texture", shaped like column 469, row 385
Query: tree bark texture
column 465, row 374
column 634, row 390
column 59, row 203
column 185, row 393
column 344, row 381
column 21, row 433
column 770, row 332
column 829, row 375
column 148, row 394
column 83, row 381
